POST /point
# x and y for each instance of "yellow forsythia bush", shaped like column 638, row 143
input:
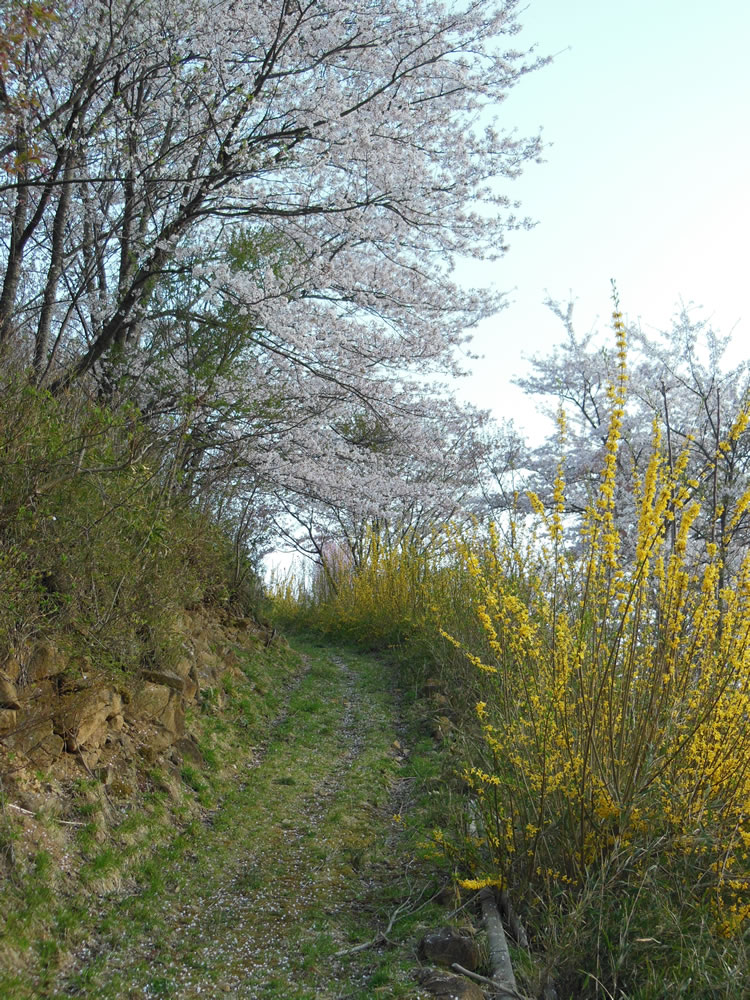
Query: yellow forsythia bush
column 617, row 704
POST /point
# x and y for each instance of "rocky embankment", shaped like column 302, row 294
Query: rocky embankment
column 60, row 714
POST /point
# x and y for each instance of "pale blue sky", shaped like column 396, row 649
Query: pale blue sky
column 646, row 112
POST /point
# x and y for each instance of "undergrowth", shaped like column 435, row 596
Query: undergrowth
column 99, row 543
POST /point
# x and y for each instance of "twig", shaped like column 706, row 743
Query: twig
column 472, row 975
column 372, row 943
column 28, row 812
column 382, row 936
column 490, row 982
column 469, row 901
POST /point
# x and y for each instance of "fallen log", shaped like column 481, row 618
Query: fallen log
column 502, row 976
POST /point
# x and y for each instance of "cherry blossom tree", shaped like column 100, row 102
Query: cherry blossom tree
column 393, row 480
column 678, row 379
column 245, row 216
column 358, row 137
column 313, row 457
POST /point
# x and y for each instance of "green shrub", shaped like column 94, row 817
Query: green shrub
column 98, row 546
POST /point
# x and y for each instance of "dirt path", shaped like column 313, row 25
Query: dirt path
column 304, row 862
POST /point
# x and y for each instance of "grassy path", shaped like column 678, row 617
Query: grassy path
column 302, row 861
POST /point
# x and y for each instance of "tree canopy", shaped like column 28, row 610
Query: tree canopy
column 247, row 216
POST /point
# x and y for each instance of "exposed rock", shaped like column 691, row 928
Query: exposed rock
column 46, row 661
column 447, row 946
column 152, row 740
column 227, row 655
column 35, row 738
column 52, row 701
column 105, row 774
column 158, row 713
column 90, row 758
column 8, row 720
column 49, row 749
column 242, row 624
column 173, row 717
column 33, row 733
column 8, row 692
column 448, row 987
column 124, row 741
column 116, row 722
column 122, row 788
column 81, row 718
column 207, row 663
column 188, row 750
column 13, row 665
column 191, row 690
column 183, row 667
column 40, row 693
column 148, row 702
column 164, row 677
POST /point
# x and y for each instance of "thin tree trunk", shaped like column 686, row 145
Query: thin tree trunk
column 15, row 251
column 41, row 345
